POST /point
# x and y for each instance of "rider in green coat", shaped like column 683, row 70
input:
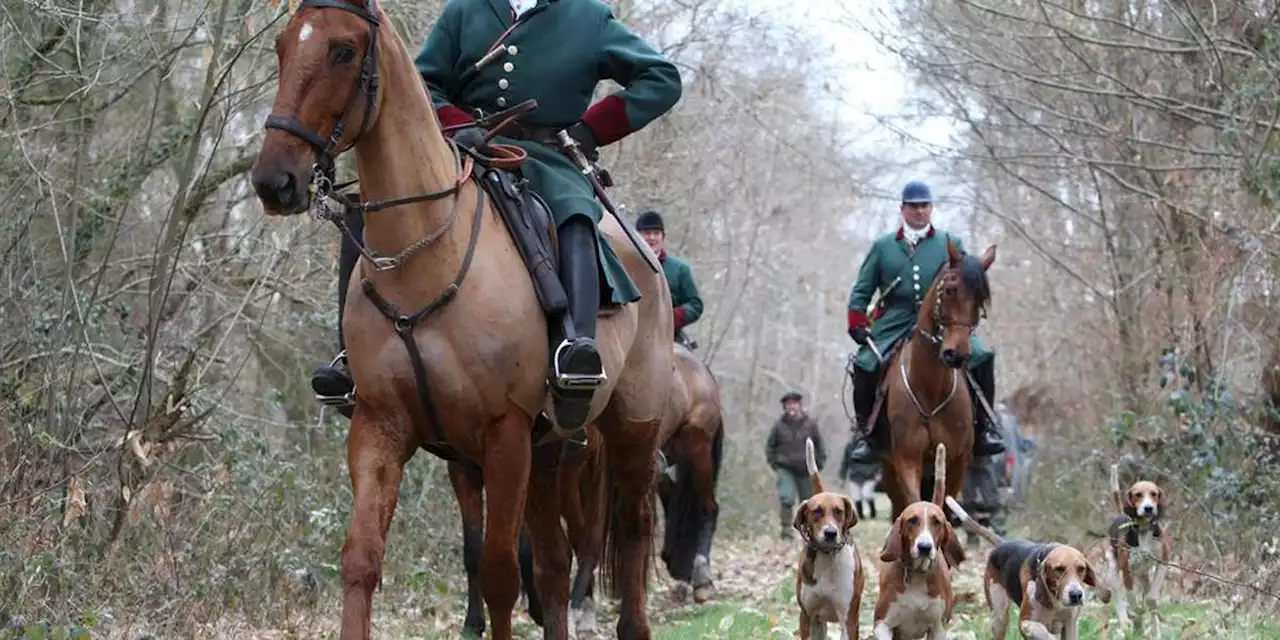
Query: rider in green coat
column 901, row 265
column 686, row 304
column 553, row 51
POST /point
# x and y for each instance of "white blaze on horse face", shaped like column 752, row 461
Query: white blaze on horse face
column 305, row 32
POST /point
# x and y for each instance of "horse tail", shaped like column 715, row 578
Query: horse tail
column 717, row 452
column 971, row 526
column 614, row 555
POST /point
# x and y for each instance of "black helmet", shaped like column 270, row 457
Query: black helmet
column 792, row 395
column 650, row 220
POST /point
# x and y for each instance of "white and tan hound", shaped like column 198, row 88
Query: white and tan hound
column 829, row 580
column 1139, row 551
column 915, row 599
column 1047, row 581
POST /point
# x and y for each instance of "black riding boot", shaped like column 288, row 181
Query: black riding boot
column 860, row 511
column 332, row 382
column 864, row 396
column 871, row 508
column 987, row 439
column 578, row 369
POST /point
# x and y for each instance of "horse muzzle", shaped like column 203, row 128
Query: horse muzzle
column 953, row 359
column 282, row 191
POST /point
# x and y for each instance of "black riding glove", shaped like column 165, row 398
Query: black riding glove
column 859, row 335
column 586, row 140
column 471, row 137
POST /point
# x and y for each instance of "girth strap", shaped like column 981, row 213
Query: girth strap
column 405, row 324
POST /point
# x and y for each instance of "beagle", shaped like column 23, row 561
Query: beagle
column 915, row 599
column 1046, row 581
column 829, row 580
column 1139, row 529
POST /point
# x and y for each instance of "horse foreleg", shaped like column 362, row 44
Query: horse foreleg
column 468, row 488
column 551, row 547
column 376, row 454
column 632, row 463
column 506, row 470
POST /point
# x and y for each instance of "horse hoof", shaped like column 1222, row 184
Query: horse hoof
column 680, row 592
column 704, row 593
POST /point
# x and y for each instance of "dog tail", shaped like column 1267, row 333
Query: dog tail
column 1116, row 496
column 970, row 525
column 940, row 474
column 811, row 463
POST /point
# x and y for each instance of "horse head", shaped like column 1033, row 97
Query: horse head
column 957, row 301
column 328, row 82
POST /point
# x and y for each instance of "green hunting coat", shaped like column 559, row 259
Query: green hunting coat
column 891, row 258
column 686, row 304
column 556, row 55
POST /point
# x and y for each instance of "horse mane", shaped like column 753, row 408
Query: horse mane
column 975, row 279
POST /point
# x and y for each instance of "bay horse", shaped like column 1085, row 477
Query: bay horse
column 347, row 81
column 927, row 399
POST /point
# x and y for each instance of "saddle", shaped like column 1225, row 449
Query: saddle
column 532, row 228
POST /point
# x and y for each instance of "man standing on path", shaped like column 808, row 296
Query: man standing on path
column 785, row 453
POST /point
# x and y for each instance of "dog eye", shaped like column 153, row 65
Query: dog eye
column 1059, row 570
column 913, row 520
column 817, row 512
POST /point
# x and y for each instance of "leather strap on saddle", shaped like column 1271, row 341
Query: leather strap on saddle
column 881, row 388
column 529, row 221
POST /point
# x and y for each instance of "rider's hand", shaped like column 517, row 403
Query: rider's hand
column 471, row 137
column 586, row 140
column 859, row 335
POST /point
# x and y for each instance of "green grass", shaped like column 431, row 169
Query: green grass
column 777, row 619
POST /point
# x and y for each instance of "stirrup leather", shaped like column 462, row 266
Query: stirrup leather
column 574, row 381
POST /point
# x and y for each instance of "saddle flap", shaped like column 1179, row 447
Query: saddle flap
column 528, row 220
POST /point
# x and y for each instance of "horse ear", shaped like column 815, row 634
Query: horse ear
column 892, row 549
column 953, row 252
column 988, row 257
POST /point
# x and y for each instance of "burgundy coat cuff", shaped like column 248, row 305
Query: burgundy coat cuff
column 608, row 120
column 857, row 319
column 678, row 315
column 452, row 116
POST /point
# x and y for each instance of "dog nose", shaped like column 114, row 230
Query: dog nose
column 829, row 534
column 1075, row 596
column 1147, row 509
column 277, row 189
column 924, row 548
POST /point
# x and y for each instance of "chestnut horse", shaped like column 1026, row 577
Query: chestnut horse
column 466, row 375
column 927, row 399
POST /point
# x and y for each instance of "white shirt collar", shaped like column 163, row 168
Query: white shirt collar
column 521, row 6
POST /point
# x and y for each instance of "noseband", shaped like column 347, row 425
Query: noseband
column 322, row 172
column 940, row 323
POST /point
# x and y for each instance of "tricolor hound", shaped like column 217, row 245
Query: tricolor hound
column 829, row 580
column 915, row 599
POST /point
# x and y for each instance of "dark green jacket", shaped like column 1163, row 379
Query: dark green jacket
column 785, row 447
column 686, row 304
column 556, row 55
column 891, row 258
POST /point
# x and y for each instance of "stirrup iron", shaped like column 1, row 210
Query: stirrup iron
column 575, row 381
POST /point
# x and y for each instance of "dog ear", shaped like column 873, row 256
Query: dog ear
column 892, row 549
column 1130, row 509
column 850, row 515
column 951, row 547
column 802, row 516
